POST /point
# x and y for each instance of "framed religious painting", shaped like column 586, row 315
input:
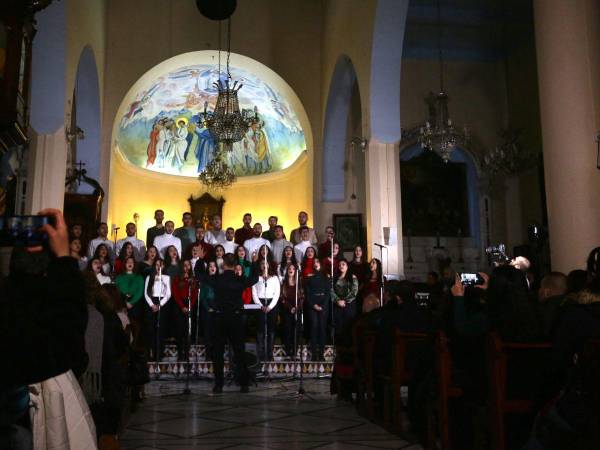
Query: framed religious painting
column 348, row 230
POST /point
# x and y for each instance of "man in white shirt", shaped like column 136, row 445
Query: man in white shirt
column 296, row 236
column 165, row 240
column 279, row 243
column 216, row 235
column 102, row 239
column 300, row 248
column 229, row 244
column 253, row 244
column 139, row 248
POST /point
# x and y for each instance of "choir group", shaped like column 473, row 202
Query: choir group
column 167, row 282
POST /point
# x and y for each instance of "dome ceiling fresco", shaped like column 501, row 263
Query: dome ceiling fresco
column 160, row 124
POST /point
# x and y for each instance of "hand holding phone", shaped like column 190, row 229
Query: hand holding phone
column 56, row 229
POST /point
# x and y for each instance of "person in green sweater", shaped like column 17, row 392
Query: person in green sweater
column 131, row 287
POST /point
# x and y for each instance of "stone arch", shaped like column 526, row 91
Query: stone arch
column 341, row 88
column 386, row 59
column 86, row 97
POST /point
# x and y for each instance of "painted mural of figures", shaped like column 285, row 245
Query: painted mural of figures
column 261, row 147
column 160, row 144
column 205, row 147
column 170, row 130
column 180, row 143
column 249, row 145
column 152, row 144
column 236, row 158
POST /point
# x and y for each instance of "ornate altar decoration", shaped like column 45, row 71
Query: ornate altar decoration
column 204, row 207
column 85, row 209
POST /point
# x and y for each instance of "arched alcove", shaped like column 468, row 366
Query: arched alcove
column 386, row 59
column 341, row 88
column 86, row 97
column 471, row 185
column 173, row 95
column 48, row 60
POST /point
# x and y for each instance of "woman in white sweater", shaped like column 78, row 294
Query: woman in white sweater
column 266, row 294
column 157, row 291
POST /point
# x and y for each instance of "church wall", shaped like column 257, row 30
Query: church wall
column 477, row 93
column 347, row 30
column 276, row 34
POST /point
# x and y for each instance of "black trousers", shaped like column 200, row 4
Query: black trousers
column 271, row 323
column 180, row 320
column 318, row 326
column 289, row 331
column 208, row 323
column 343, row 316
column 229, row 326
column 152, row 320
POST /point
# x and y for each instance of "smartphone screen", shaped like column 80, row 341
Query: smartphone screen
column 23, row 231
column 471, row 279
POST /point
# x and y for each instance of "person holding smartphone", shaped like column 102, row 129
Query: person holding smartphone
column 43, row 309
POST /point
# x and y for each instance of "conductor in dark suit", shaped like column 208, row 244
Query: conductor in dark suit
column 229, row 317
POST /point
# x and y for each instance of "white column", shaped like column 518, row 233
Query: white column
column 568, row 57
column 47, row 168
column 384, row 212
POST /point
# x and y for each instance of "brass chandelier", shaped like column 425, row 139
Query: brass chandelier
column 439, row 134
column 217, row 174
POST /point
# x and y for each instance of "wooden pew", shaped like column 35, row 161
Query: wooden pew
column 446, row 388
column 399, row 376
column 500, row 404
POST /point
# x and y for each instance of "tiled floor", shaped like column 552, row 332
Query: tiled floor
column 271, row 416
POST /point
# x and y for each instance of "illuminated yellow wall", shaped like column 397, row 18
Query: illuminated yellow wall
column 282, row 194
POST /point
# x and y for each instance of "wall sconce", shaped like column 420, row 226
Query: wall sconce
column 361, row 142
column 73, row 134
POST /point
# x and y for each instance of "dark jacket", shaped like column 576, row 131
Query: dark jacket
column 228, row 287
column 42, row 324
column 317, row 290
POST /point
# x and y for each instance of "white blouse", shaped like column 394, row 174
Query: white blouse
column 161, row 288
column 271, row 290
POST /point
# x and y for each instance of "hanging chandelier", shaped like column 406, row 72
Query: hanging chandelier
column 439, row 134
column 226, row 125
column 217, row 174
column 509, row 158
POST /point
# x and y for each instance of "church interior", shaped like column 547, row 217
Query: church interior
column 445, row 138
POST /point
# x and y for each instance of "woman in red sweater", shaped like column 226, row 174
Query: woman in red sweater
column 184, row 290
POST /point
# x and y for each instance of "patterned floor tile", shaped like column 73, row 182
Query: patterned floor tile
column 272, row 417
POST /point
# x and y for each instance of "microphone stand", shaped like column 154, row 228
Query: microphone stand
column 381, row 279
column 301, row 386
column 332, row 307
column 197, row 328
column 265, row 337
column 158, row 325
column 188, row 338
